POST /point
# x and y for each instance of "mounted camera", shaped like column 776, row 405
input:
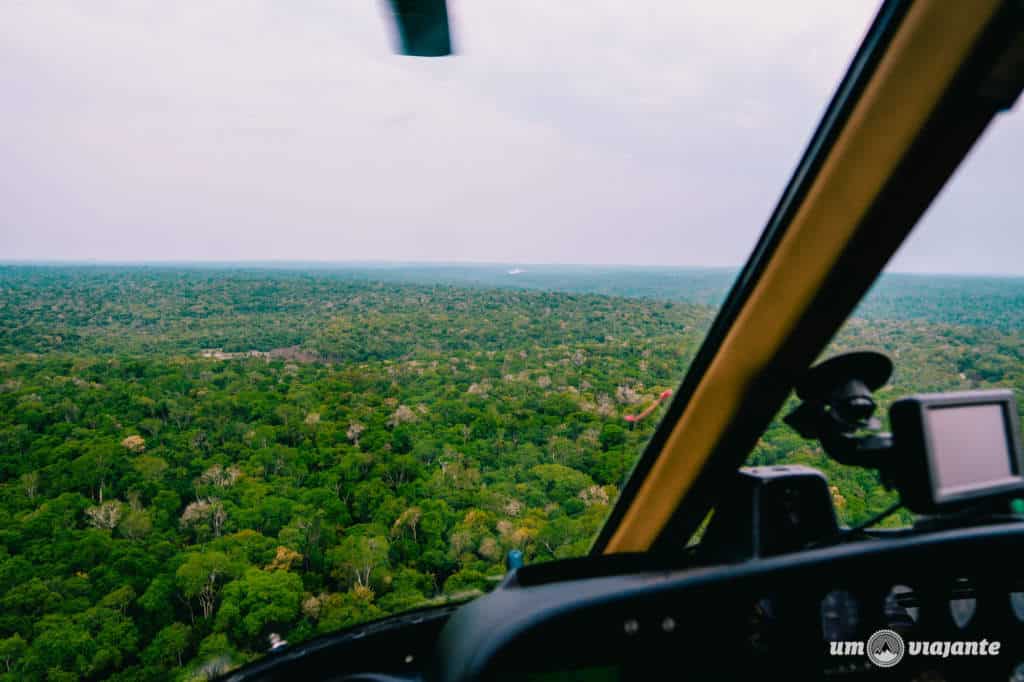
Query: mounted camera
column 767, row 511
column 946, row 451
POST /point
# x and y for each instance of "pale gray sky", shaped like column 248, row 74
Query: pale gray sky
column 639, row 132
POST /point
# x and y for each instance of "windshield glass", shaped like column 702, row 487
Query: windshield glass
column 948, row 311
column 298, row 333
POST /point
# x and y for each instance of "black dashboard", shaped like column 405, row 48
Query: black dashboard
column 638, row 618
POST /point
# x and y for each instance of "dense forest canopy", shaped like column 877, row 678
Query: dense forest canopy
column 194, row 458
column 955, row 299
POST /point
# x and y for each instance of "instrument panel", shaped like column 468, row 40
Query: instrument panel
column 811, row 614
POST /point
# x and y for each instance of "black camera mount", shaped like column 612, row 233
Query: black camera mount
column 838, row 409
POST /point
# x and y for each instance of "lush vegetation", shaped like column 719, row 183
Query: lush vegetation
column 362, row 442
column 952, row 299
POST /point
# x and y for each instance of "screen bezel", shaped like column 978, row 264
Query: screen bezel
column 1002, row 398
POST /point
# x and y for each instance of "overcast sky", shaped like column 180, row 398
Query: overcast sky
column 632, row 132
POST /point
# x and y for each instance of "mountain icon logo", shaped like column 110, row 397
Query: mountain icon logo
column 885, row 648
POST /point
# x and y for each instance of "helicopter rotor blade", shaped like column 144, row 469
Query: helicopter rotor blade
column 422, row 27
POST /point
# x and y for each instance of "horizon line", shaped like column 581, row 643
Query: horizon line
column 278, row 263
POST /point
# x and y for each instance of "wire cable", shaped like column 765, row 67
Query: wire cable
column 888, row 511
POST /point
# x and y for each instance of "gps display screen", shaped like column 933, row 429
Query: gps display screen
column 970, row 446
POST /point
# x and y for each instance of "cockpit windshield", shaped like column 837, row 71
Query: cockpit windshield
column 298, row 333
